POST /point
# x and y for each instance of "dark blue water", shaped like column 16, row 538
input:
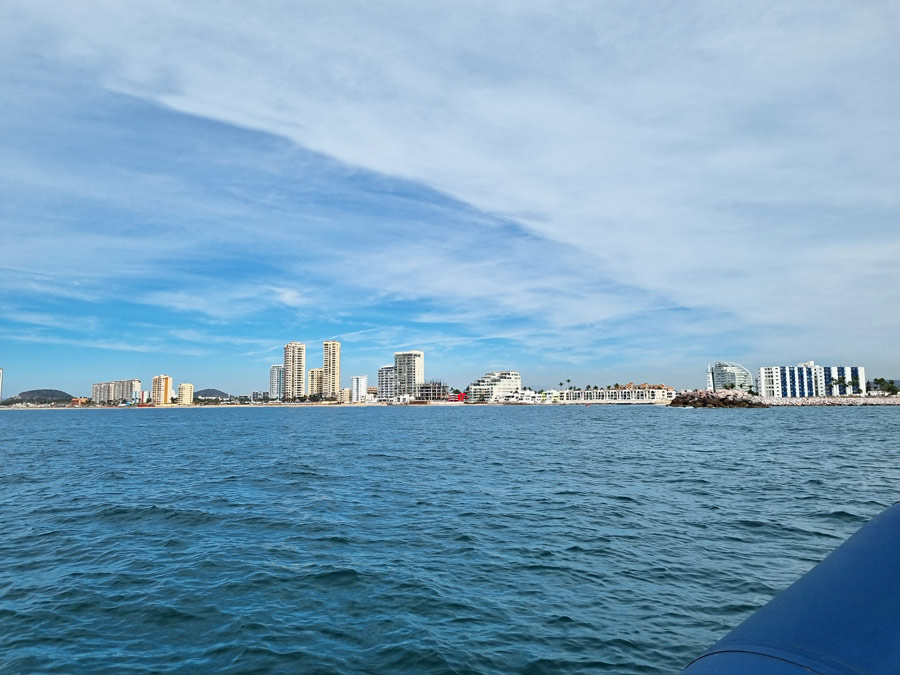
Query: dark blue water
column 475, row 539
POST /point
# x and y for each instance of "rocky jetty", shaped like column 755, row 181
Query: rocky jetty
column 726, row 398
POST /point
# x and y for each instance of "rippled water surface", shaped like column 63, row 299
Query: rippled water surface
column 473, row 539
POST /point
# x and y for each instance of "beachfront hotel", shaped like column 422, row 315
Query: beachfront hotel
column 161, row 391
column 409, row 373
column 806, row 380
column 185, row 394
column 276, row 381
column 331, row 368
column 727, row 375
column 294, row 370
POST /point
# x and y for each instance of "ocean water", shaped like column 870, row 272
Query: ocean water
column 429, row 540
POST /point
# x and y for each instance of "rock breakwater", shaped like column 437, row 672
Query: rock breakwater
column 728, row 398
column 834, row 401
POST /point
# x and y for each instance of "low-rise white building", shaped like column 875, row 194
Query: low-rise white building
column 630, row 393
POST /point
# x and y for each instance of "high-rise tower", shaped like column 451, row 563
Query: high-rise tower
column 276, row 382
column 294, row 370
column 162, row 390
column 331, row 369
column 409, row 371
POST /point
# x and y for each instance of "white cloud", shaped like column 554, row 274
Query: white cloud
column 732, row 159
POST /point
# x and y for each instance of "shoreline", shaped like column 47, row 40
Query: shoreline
column 818, row 402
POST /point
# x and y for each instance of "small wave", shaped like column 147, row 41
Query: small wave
column 841, row 516
column 339, row 577
column 131, row 514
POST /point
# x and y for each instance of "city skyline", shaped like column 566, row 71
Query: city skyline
column 600, row 194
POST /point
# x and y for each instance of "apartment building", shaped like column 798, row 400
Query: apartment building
column 387, row 383
column 316, row 380
column 276, row 381
column 331, row 368
column 161, row 390
column 294, row 370
column 409, row 372
column 359, row 385
column 185, row 394
column 808, row 379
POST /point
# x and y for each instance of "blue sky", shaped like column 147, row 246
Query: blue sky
column 599, row 192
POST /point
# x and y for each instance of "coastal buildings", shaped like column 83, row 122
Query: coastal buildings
column 185, row 394
column 119, row 391
column 727, row 375
column 161, row 390
column 806, row 380
column 494, row 386
column 276, row 381
column 359, row 385
column 387, row 383
column 331, row 368
column 316, row 379
column 294, row 370
column 345, row 395
column 409, row 373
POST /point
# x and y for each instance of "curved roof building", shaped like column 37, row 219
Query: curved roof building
column 727, row 375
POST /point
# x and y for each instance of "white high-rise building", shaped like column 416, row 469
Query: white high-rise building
column 294, row 370
column 387, row 383
column 276, row 382
column 495, row 386
column 331, row 369
column 807, row 379
column 359, row 385
column 726, row 375
column 185, row 394
column 161, row 391
column 409, row 371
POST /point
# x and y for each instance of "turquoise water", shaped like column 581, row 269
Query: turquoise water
column 460, row 539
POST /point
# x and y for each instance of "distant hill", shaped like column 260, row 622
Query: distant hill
column 39, row 396
column 211, row 393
